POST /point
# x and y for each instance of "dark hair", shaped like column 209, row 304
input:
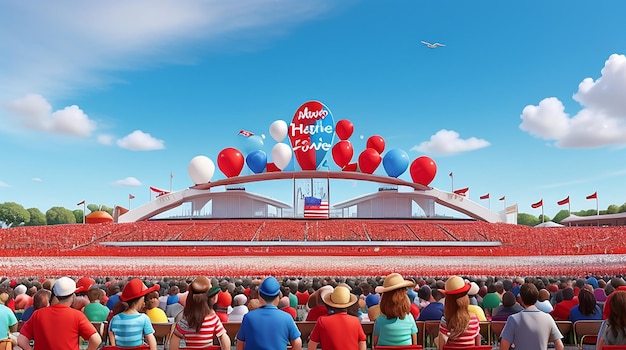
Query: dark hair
column 586, row 302
column 529, row 294
column 41, row 299
column 618, row 310
column 196, row 309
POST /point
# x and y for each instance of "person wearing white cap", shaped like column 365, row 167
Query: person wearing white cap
column 59, row 326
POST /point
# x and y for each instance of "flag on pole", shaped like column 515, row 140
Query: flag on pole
column 461, row 191
column 450, row 174
column 171, row 175
column 593, row 196
column 502, row 198
column 245, row 133
column 485, row 196
column 130, row 196
column 315, row 208
column 537, row 205
column 81, row 203
column 564, row 201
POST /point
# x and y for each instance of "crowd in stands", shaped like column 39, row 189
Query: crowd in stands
column 199, row 307
column 516, row 240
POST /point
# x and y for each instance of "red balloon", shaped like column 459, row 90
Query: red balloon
column 271, row 168
column 230, row 161
column 376, row 142
column 423, row 170
column 350, row 167
column 342, row 153
column 344, row 129
column 369, row 160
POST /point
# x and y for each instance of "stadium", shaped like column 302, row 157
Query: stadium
column 232, row 231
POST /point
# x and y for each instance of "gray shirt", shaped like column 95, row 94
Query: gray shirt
column 531, row 329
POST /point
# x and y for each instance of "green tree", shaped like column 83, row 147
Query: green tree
column 13, row 214
column 622, row 208
column 37, row 218
column 92, row 208
column 612, row 209
column 527, row 219
column 107, row 209
column 60, row 215
column 560, row 215
column 78, row 215
column 546, row 218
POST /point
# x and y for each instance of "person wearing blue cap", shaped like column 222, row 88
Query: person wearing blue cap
column 267, row 327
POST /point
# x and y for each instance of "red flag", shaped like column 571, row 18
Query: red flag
column 563, row 202
column 450, row 174
column 501, row 198
column 245, row 133
column 593, row 196
column 130, row 196
column 537, row 205
column 462, row 191
column 81, row 203
column 159, row 191
column 485, row 196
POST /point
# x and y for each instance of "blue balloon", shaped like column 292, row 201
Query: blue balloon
column 395, row 162
column 251, row 144
column 257, row 161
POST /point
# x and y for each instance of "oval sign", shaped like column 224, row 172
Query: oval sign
column 311, row 133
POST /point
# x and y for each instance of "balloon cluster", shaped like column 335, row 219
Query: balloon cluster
column 395, row 162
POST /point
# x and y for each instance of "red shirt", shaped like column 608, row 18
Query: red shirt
column 415, row 310
column 607, row 303
column 57, row 327
column 303, row 298
column 561, row 310
column 338, row 331
column 291, row 311
column 316, row 312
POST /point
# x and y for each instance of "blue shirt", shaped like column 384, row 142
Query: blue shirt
column 267, row 328
column 575, row 314
column 432, row 312
column 113, row 299
column 7, row 319
column 129, row 330
column 394, row 331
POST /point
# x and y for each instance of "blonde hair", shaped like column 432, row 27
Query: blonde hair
column 3, row 298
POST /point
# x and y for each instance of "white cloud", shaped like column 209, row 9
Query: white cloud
column 34, row 112
column 4, row 184
column 57, row 48
column 105, row 139
column 447, row 142
column 127, row 182
column 140, row 141
column 601, row 121
column 37, row 179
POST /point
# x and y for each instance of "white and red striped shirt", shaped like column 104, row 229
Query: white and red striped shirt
column 466, row 338
column 211, row 327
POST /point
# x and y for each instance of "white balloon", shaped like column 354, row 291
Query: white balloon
column 281, row 155
column 278, row 130
column 201, row 169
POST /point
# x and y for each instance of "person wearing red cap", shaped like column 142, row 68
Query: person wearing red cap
column 59, row 326
column 200, row 323
column 458, row 326
column 129, row 327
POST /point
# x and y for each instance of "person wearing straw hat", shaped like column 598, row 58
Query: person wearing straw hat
column 395, row 326
column 268, row 327
column 458, row 326
column 59, row 326
column 200, row 323
column 338, row 330
column 129, row 327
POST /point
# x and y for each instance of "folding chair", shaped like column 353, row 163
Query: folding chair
column 496, row 329
column 431, row 330
column 421, row 329
column 565, row 327
column 586, row 332
column 232, row 328
column 163, row 332
column 305, row 327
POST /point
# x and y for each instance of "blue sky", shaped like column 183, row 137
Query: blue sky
column 100, row 100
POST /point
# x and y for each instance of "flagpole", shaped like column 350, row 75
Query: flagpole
column 543, row 217
column 171, row 177
column 128, row 202
column 597, row 209
column 84, row 203
column 489, row 202
column 452, row 182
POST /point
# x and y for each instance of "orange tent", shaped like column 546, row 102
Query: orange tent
column 98, row 217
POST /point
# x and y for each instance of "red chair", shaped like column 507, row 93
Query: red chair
column 469, row 347
column 614, row 347
column 113, row 347
column 398, row 347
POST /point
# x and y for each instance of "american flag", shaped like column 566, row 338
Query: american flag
column 315, row 208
